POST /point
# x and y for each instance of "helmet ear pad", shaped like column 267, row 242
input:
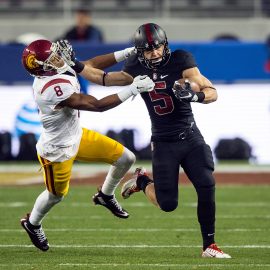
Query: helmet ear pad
column 151, row 36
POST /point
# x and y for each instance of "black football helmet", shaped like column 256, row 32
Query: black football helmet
column 148, row 37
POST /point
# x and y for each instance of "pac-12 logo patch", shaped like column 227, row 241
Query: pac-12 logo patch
column 154, row 76
column 30, row 61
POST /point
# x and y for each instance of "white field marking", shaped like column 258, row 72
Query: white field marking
column 97, row 167
column 89, row 168
column 15, row 264
column 164, row 265
column 218, row 217
column 145, row 265
column 136, row 246
column 13, row 204
column 19, row 168
column 146, row 204
column 137, row 230
column 27, row 181
column 176, row 216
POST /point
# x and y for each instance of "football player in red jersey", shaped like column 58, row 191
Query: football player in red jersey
column 63, row 140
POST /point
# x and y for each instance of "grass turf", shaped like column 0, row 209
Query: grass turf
column 84, row 236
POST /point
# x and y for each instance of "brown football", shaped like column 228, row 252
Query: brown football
column 194, row 86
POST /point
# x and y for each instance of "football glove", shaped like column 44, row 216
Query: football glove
column 66, row 51
column 124, row 54
column 184, row 92
column 68, row 54
column 142, row 83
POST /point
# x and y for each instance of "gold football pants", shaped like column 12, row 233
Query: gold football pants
column 94, row 147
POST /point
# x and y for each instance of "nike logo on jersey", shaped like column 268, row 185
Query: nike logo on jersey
column 163, row 76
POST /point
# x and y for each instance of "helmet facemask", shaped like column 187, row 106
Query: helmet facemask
column 154, row 62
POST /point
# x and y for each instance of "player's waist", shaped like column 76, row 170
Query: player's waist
column 174, row 135
column 61, row 139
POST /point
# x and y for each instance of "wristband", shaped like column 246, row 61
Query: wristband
column 201, row 96
column 119, row 56
column 125, row 94
column 103, row 78
column 78, row 67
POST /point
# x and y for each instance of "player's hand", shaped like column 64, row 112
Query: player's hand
column 184, row 92
column 142, row 83
column 67, row 52
column 128, row 52
column 123, row 54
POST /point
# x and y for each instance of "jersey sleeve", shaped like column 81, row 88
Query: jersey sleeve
column 56, row 91
column 127, row 68
column 131, row 66
column 185, row 59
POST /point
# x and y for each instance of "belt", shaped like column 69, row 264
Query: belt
column 177, row 137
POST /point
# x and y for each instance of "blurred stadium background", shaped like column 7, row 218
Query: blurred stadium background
column 230, row 40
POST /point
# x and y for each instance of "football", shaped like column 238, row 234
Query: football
column 194, row 86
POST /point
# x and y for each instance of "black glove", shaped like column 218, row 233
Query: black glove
column 185, row 93
column 66, row 51
column 68, row 54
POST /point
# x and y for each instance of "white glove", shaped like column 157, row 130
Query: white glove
column 142, row 83
column 124, row 54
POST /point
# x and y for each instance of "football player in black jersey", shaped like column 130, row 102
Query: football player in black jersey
column 176, row 140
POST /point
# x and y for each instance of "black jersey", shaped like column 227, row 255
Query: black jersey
column 169, row 116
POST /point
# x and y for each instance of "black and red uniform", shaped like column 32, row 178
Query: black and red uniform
column 176, row 140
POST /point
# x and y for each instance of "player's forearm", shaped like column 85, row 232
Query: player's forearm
column 120, row 78
column 110, row 59
column 107, row 103
column 101, row 61
column 88, row 103
column 204, row 85
column 92, row 74
column 208, row 89
column 210, row 95
column 98, row 76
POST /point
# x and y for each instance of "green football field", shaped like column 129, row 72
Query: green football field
column 84, row 236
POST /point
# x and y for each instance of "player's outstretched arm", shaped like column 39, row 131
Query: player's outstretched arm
column 89, row 103
column 194, row 75
column 108, row 60
column 100, row 77
column 92, row 68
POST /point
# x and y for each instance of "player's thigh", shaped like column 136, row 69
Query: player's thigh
column 165, row 171
column 97, row 147
column 57, row 175
column 199, row 166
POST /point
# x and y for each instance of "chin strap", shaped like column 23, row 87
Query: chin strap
column 62, row 69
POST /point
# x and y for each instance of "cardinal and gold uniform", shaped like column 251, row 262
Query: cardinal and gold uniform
column 63, row 140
